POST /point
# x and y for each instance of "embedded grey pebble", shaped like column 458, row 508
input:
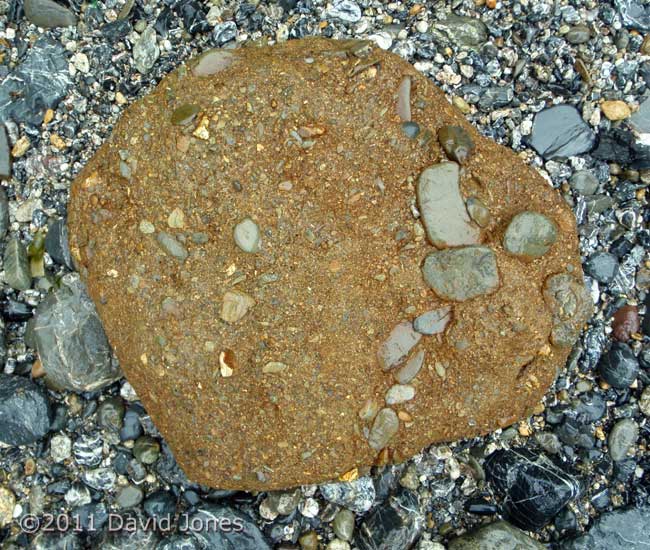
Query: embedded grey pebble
column 48, row 14
column 530, row 234
column 442, row 208
column 571, row 306
column 5, row 158
column 25, row 413
column 584, row 182
column 171, row 246
column 394, row 349
column 343, row 524
column 495, row 536
column 478, row 212
column 411, row 368
column 461, row 274
column 357, row 495
column 411, row 129
column 247, row 236
column 384, row 428
column 621, row 438
column 145, row 50
column 71, row 341
column 399, row 393
column 434, row 321
column 16, row 265
column 345, row 10
column 602, row 266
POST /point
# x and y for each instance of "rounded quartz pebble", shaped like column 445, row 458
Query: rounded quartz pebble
column 297, row 254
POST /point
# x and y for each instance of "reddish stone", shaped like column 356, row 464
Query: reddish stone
column 625, row 323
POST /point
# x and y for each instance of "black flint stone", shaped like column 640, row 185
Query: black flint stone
column 532, row 488
column 619, row 145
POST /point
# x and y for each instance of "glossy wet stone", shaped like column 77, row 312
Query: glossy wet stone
column 462, row 273
column 621, row 438
column 25, row 412
column 530, row 234
column 621, row 529
column 495, row 536
column 442, row 207
column 625, row 323
column 337, row 265
column 71, row 341
column 618, row 366
column 456, row 142
column 532, row 488
column 560, row 132
column 16, row 265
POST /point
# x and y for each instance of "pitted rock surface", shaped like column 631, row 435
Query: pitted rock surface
column 305, row 141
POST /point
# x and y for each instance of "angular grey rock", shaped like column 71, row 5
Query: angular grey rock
column 37, row 84
column 559, row 131
column 210, row 517
column 4, row 213
column 442, row 207
column 623, row 435
column 48, row 14
column 627, row 529
column 145, row 50
column 530, row 234
column 345, row 10
column 496, row 536
column 25, row 413
column 602, row 266
column 70, row 339
column 224, row 32
column 467, row 32
column 461, row 274
column 16, row 265
column 357, row 495
column 56, row 243
column 5, row 151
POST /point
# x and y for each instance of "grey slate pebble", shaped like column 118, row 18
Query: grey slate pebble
column 25, row 412
column 602, row 266
column 16, row 265
column 584, row 182
column 71, row 341
column 56, row 243
column 619, row 366
column 48, row 14
column 560, row 132
column 622, row 436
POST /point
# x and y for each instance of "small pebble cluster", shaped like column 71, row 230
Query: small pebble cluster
column 563, row 83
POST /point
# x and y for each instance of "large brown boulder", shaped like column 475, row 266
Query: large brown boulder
column 308, row 262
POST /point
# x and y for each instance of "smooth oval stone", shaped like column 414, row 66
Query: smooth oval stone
column 442, row 207
column 530, row 234
column 619, row 367
column 397, row 346
column 48, row 14
column 623, row 435
column 584, row 182
column 434, row 321
column 184, row 114
column 247, row 236
column 399, row 393
column 456, row 142
column 411, row 369
column 461, row 274
column 579, row 34
column 384, row 428
column 495, row 536
column 411, row 129
column 213, row 62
